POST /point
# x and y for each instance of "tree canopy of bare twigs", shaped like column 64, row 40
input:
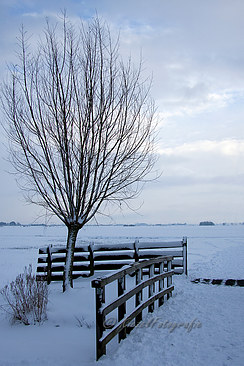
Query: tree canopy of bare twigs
column 80, row 124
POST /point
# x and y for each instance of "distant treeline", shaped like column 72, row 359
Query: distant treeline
column 12, row 223
column 202, row 223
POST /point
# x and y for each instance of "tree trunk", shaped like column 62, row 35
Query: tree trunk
column 73, row 230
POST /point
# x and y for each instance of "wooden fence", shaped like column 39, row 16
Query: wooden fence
column 103, row 257
column 156, row 291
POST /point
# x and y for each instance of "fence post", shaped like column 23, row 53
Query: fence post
column 122, row 307
column 100, row 318
column 49, row 264
column 169, row 279
column 151, row 288
column 136, row 254
column 161, row 284
column 138, row 295
column 90, row 250
column 184, row 243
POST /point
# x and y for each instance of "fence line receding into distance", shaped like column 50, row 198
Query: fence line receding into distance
column 158, row 270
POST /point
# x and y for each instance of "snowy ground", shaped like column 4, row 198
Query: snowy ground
column 215, row 312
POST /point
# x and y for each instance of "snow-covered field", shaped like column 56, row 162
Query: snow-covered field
column 68, row 336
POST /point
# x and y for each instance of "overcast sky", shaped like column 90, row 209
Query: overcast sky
column 195, row 51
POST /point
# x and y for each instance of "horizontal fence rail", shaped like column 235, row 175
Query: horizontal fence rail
column 157, row 291
column 51, row 263
column 104, row 257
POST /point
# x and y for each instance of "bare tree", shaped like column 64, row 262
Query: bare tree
column 80, row 124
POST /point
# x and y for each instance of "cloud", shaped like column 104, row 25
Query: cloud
column 193, row 49
column 202, row 164
column 225, row 147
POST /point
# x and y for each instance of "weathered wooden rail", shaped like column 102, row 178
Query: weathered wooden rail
column 103, row 257
column 156, row 291
column 51, row 263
